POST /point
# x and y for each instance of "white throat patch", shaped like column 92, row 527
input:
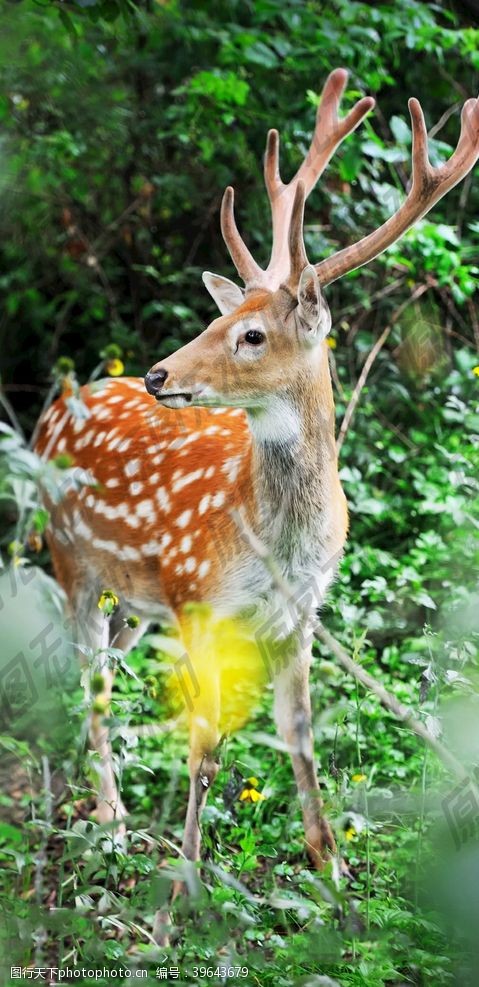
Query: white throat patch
column 279, row 421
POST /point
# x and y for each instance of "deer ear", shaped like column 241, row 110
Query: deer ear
column 312, row 309
column 226, row 293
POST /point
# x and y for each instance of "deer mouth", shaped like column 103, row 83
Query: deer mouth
column 180, row 399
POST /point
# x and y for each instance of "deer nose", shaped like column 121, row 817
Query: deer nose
column 154, row 380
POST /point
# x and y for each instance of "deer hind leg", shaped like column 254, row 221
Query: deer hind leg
column 293, row 719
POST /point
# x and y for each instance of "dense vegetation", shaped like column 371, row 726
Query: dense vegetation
column 121, row 124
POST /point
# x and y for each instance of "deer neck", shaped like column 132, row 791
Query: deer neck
column 294, row 462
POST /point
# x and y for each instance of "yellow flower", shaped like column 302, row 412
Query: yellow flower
column 475, row 371
column 350, row 833
column 331, row 343
column 251, row 794
column 115, row 367
column 358, row 777
column 108, row 602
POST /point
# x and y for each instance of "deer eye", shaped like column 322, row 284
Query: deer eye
column 254, row 336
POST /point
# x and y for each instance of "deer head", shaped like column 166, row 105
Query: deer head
column 269, row 339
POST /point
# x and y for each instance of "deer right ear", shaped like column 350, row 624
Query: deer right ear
column 226, row 293
column 312, row 309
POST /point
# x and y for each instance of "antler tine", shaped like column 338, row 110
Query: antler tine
column 272, row 177
column 329, row 130
column 328, row 133
column 243, row 260
column 297, row 252
column 428, row 186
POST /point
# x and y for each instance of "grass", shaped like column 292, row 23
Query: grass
column 405, row 606
column 256, row 902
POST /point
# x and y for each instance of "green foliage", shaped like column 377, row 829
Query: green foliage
column 121, row 123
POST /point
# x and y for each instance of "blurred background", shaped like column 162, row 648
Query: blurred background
column 120, row 125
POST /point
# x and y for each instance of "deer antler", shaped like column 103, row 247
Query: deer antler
column 328, row 133
column 428, row 186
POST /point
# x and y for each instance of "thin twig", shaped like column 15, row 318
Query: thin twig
column 334, row 373
column 11, row 413
column 466, row 188
column 443, row 120
column 390, row 703
column 41, row 857
column 52, row 390
column 397, row 431
column 474, row 321
column 370, row 360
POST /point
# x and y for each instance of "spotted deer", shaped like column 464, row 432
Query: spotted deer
column 233, row 433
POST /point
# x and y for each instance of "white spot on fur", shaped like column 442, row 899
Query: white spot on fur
column 129, row 554
column 132, row 521
column 152, row 548
column 132, row 467
column 184, row 519
column 146, row 508
column 163, row 499
column 106, row 546
column 135, row 488
column 204, row 504
column 185, row 480
column 231, row 468
column 204, row 568
column 185, row 544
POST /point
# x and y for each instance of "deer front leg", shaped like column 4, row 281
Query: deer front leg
column 110, row 808
column 293, row 718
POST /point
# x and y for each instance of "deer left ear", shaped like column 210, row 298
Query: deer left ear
column 312, row 309
column 226, row 293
